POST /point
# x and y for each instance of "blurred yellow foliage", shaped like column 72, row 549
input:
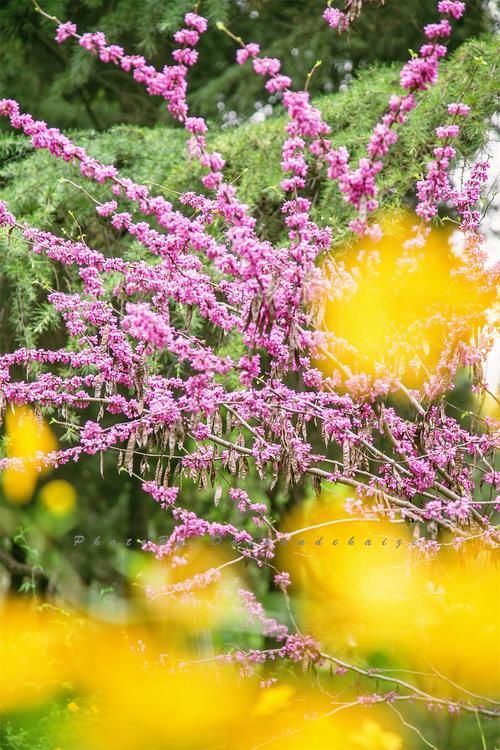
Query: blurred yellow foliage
column 372, row 735
column 131, row 690
column 364, row 589
column 167, row 702
column 391, row 307
column 28, row 436
column 138, row 694
column 58, row 497
column 165, row 589
column 354, row 576
column 273, row 699
column 151, row 679
column 35, row 653
column 298, row 718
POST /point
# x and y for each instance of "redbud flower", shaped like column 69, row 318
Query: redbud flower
column 452, row 8
column 64, row 31
column 195, row 125
column 266, row 66
column 448, row 131
column 282, row 580
column 458, row 109
column 435, row 30
column 6, row 218
column 336, row 19
column 194, row 21
column 249, row 51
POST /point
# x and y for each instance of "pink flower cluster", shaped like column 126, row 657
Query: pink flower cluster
column 170, row 83
column 465, row 200
column 436, row 187
column 359, row 184
column 336, row 19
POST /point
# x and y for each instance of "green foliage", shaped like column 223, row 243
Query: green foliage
column 69, row 88
column 34, row 729
column 157, row 157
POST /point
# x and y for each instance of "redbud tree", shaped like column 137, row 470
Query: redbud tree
column 274, row 383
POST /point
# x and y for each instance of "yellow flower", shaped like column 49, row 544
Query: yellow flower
column 363, row 586
column 58, row 497
column 272, row 700
column 28, row 439
column 394, row 310
column 373, row 737
column 18, row 484
column 73, row 707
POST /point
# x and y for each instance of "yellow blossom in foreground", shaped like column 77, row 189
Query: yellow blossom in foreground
column 272, row 699
column 365, row 589
column 28, row 436
column 371, row 735
column 18, row 484
column 299, row 718
column 138, row 691
column 58, row 497
column 195, row 591
column 36, row 653
column 393, row 308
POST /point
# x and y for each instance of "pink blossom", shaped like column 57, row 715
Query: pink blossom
column 6, row 218
column 266, row 66
column 187, row 37
column 300, row 648
column 269, row 626
column 164, row 496
column 278, row 83
column 459, row 109
column 196, row 125
column 249, row 51
column 436, row 30
column 448, row 131
column 194, row 21
column 282, row 580
column 452, row 8
column 336, row 19
column 64, row 31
